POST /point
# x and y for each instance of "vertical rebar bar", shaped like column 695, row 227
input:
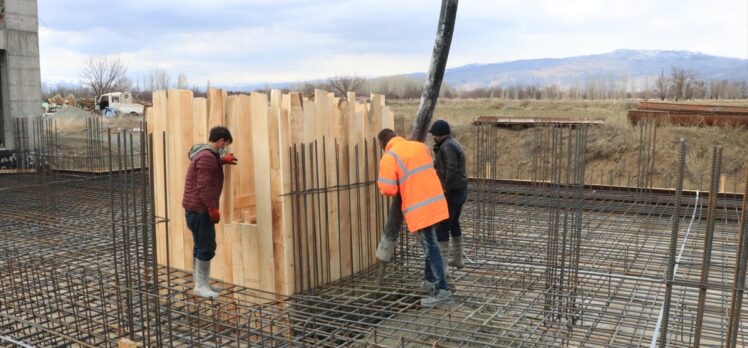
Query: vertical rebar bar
column 708, row 241
column 662, row 341
column 741, row 263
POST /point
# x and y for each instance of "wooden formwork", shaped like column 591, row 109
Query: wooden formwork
column 254, row 237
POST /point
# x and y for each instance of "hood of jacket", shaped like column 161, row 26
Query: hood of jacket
column 197, row 148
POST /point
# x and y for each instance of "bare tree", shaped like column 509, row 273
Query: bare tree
column 662, row 85
column 104, row 74
column 158, row 79
column 182, row 82
column 682, row 81
column 346, row 83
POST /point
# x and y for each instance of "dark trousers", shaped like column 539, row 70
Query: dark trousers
column 451, row 226
column 203, row 235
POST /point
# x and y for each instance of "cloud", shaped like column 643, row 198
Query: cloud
column 274, row 41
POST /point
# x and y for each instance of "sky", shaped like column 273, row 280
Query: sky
column 237, row 42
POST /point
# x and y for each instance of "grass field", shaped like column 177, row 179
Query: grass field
column 612, row 148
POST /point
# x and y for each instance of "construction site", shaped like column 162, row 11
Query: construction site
column 94, row 248
column 96, row 251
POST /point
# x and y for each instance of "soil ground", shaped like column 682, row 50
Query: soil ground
column 612, row 148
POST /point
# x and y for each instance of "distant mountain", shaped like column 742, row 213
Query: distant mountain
column 637, row 67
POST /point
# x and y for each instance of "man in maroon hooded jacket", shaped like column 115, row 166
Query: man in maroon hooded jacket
column 202, row 192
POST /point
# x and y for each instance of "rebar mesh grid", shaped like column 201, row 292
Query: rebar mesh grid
column 59, row 284
column 76, row 268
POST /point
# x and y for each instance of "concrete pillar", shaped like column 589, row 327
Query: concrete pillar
column 20, row 74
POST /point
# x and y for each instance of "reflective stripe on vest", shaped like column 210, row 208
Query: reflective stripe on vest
column 407, row 172
column 387, row 181
column 423, row 203
column 399, row 161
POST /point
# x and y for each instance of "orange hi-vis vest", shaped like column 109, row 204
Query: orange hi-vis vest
column 407, row 167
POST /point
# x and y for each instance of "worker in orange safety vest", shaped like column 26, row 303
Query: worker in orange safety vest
column 407, row 168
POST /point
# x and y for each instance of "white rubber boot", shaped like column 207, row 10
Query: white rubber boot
column 212, row 287
column 202, row 289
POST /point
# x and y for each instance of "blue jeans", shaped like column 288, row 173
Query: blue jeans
column 203, row 235
column 434, row 269
column 451, row 226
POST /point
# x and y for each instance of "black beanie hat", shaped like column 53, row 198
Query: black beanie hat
column 440, row 127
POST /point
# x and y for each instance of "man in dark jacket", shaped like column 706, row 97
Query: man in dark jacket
column 449, row 160
column 202, row 192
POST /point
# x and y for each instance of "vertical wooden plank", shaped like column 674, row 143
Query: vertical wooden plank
column 374, row 124
column 159, row 123
column 200, row 129
column 180, row 141
column 277, row 132
column 356, row 173
column 286, row 206
column 261, row 157
column 348, row 111
column 321, row 102
column 216, row 116
column 229, row 119
column 242, row 173
column 216, row 106
column 334, row 231
column 250, row 242
column 296, row 120
column 323, row 134
column 307, row 243
column 233, row 236
column 722, row 183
